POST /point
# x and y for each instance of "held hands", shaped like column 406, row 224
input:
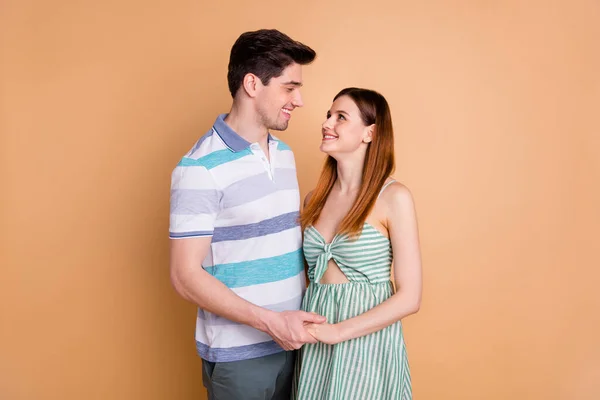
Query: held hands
column 289, row 328
column 325, row 333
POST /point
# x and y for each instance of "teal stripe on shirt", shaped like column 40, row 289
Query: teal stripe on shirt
column 257, row 272
column 214, row 159
column 282, row 146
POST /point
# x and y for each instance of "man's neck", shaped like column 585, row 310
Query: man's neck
column 246, row 125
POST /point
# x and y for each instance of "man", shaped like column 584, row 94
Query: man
column 236, row 242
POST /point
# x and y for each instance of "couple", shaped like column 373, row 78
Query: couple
column 239, row 242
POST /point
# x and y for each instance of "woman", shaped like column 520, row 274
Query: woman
column 353, row 221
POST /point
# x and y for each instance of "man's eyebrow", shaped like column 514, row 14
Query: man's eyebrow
column 293, row 83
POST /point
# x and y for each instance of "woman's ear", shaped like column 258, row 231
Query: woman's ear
column 368, row 138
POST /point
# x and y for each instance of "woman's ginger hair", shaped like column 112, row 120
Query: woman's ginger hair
column 378, row 165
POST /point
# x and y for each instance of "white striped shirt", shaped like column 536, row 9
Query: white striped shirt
column 224, row 187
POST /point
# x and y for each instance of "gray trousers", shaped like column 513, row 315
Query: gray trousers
column 263, row 378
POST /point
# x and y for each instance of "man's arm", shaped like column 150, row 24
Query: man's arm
column 193, row 283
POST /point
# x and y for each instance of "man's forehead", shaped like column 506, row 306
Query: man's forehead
column 292, row 72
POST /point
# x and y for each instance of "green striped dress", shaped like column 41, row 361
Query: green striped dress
column 370, row 367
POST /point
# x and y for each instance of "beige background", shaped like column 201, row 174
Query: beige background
column 496, row 110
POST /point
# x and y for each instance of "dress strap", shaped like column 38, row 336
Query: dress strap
column 384, row 186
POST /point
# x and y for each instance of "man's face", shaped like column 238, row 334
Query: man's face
column 276, row 101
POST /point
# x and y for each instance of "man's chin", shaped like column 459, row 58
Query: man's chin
column 279, row 127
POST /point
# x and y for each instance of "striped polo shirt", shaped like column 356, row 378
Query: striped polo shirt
column 226, row 188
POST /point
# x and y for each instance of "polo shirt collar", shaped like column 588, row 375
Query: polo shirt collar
column 234, row 141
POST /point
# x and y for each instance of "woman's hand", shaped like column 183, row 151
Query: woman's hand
column 325, row 333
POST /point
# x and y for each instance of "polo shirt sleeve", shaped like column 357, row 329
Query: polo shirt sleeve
column 195, row 202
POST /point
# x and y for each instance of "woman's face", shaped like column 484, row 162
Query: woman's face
column 344, row 130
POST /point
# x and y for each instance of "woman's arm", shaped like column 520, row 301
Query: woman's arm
column 404, row 236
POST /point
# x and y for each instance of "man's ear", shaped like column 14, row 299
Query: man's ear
column 251, row 84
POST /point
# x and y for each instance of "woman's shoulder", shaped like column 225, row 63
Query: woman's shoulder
column 396, row 195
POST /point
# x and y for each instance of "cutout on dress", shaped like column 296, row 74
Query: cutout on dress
column 333, row 271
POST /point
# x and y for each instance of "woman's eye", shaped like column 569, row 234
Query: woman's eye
column 340, row 116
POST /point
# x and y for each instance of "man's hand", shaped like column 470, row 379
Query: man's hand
column 287, row 328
